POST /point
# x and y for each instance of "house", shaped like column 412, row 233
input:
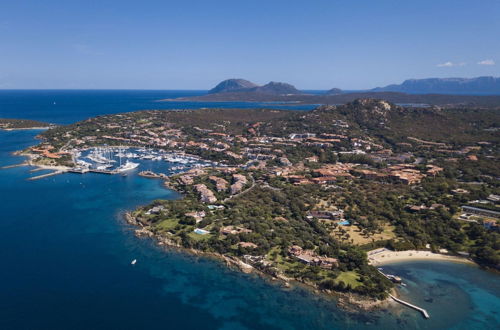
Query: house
column 296, row 136
column 155, row 210
column 325, row 180
column 311, row 258
column 234, row 230
column 198, row 216
column 220, row 183
column 239, row 182
column 247, row 245
column 206, row 195
column 493, row 198
column 330, row 215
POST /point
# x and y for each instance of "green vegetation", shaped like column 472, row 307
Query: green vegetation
column 21, row 124
column 398, row 176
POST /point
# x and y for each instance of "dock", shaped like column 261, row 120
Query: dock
column 91, row 170
column 45, row 175
column 15, row 165
column 392, row 278
column 421, row 310
column 104, row 171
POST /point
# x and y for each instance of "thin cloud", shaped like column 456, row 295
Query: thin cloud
column 450, row 64
column 486, row 62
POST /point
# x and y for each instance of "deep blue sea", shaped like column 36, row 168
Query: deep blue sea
column 65, row 252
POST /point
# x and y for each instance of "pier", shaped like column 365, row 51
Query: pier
column 392, row 278
column 15, row 165
column 104, row 171
column 421, row 310
column 45, row 175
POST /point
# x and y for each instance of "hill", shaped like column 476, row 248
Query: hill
column 247, row 87
column 232, row 85
column 471, row 86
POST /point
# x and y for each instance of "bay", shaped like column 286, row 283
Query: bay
column 65, row 252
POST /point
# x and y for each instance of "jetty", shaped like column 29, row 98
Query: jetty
column 46, row 175
column 104, row 171
column 15, row 165
column 390, row 277
column 421, row 310
column 151, row 174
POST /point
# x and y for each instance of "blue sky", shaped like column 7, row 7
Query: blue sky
column 195, row 44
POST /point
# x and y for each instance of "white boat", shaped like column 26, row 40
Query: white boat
column 127, row 166
column 133, row 262
column 83, row 163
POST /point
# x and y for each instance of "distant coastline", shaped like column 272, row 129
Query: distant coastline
column 10, row 124
column 24, row 128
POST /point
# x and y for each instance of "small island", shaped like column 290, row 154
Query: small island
column 17, row 124
column 310, row 196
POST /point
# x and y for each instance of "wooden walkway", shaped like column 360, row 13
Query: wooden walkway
column 421, row 310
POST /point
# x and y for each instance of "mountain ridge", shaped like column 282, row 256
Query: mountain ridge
column 485, row 85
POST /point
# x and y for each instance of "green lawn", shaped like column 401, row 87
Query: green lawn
column 349, row 277
column 167, row 225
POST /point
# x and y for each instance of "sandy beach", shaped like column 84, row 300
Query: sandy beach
column 386, row 256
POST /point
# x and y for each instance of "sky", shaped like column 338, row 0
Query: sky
column 192, row 44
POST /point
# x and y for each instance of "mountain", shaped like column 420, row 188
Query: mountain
column 245, row 86
column 232, row 85
column 471, row 86
column 277, row 88
column 334, row 91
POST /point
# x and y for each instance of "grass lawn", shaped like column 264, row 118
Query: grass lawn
column 168, row 224
column 350, row 277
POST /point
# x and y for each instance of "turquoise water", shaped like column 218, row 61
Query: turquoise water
column 65, row 255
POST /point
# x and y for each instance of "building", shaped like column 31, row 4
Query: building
column 330, row 215
column 481, row 212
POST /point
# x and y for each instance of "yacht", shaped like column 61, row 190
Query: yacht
column 127, row 166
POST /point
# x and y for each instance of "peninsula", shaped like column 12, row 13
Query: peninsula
column 15, row 124
column 309, row 195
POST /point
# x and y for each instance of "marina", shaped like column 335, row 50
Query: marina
column 121, row 160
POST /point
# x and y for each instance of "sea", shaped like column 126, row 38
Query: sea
column 66, row 251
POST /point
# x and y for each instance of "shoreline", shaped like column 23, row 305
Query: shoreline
column 390, row 257
column 348, row 301
column 24, row 128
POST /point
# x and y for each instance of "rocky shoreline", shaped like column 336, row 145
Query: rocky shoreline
column 350, row 302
